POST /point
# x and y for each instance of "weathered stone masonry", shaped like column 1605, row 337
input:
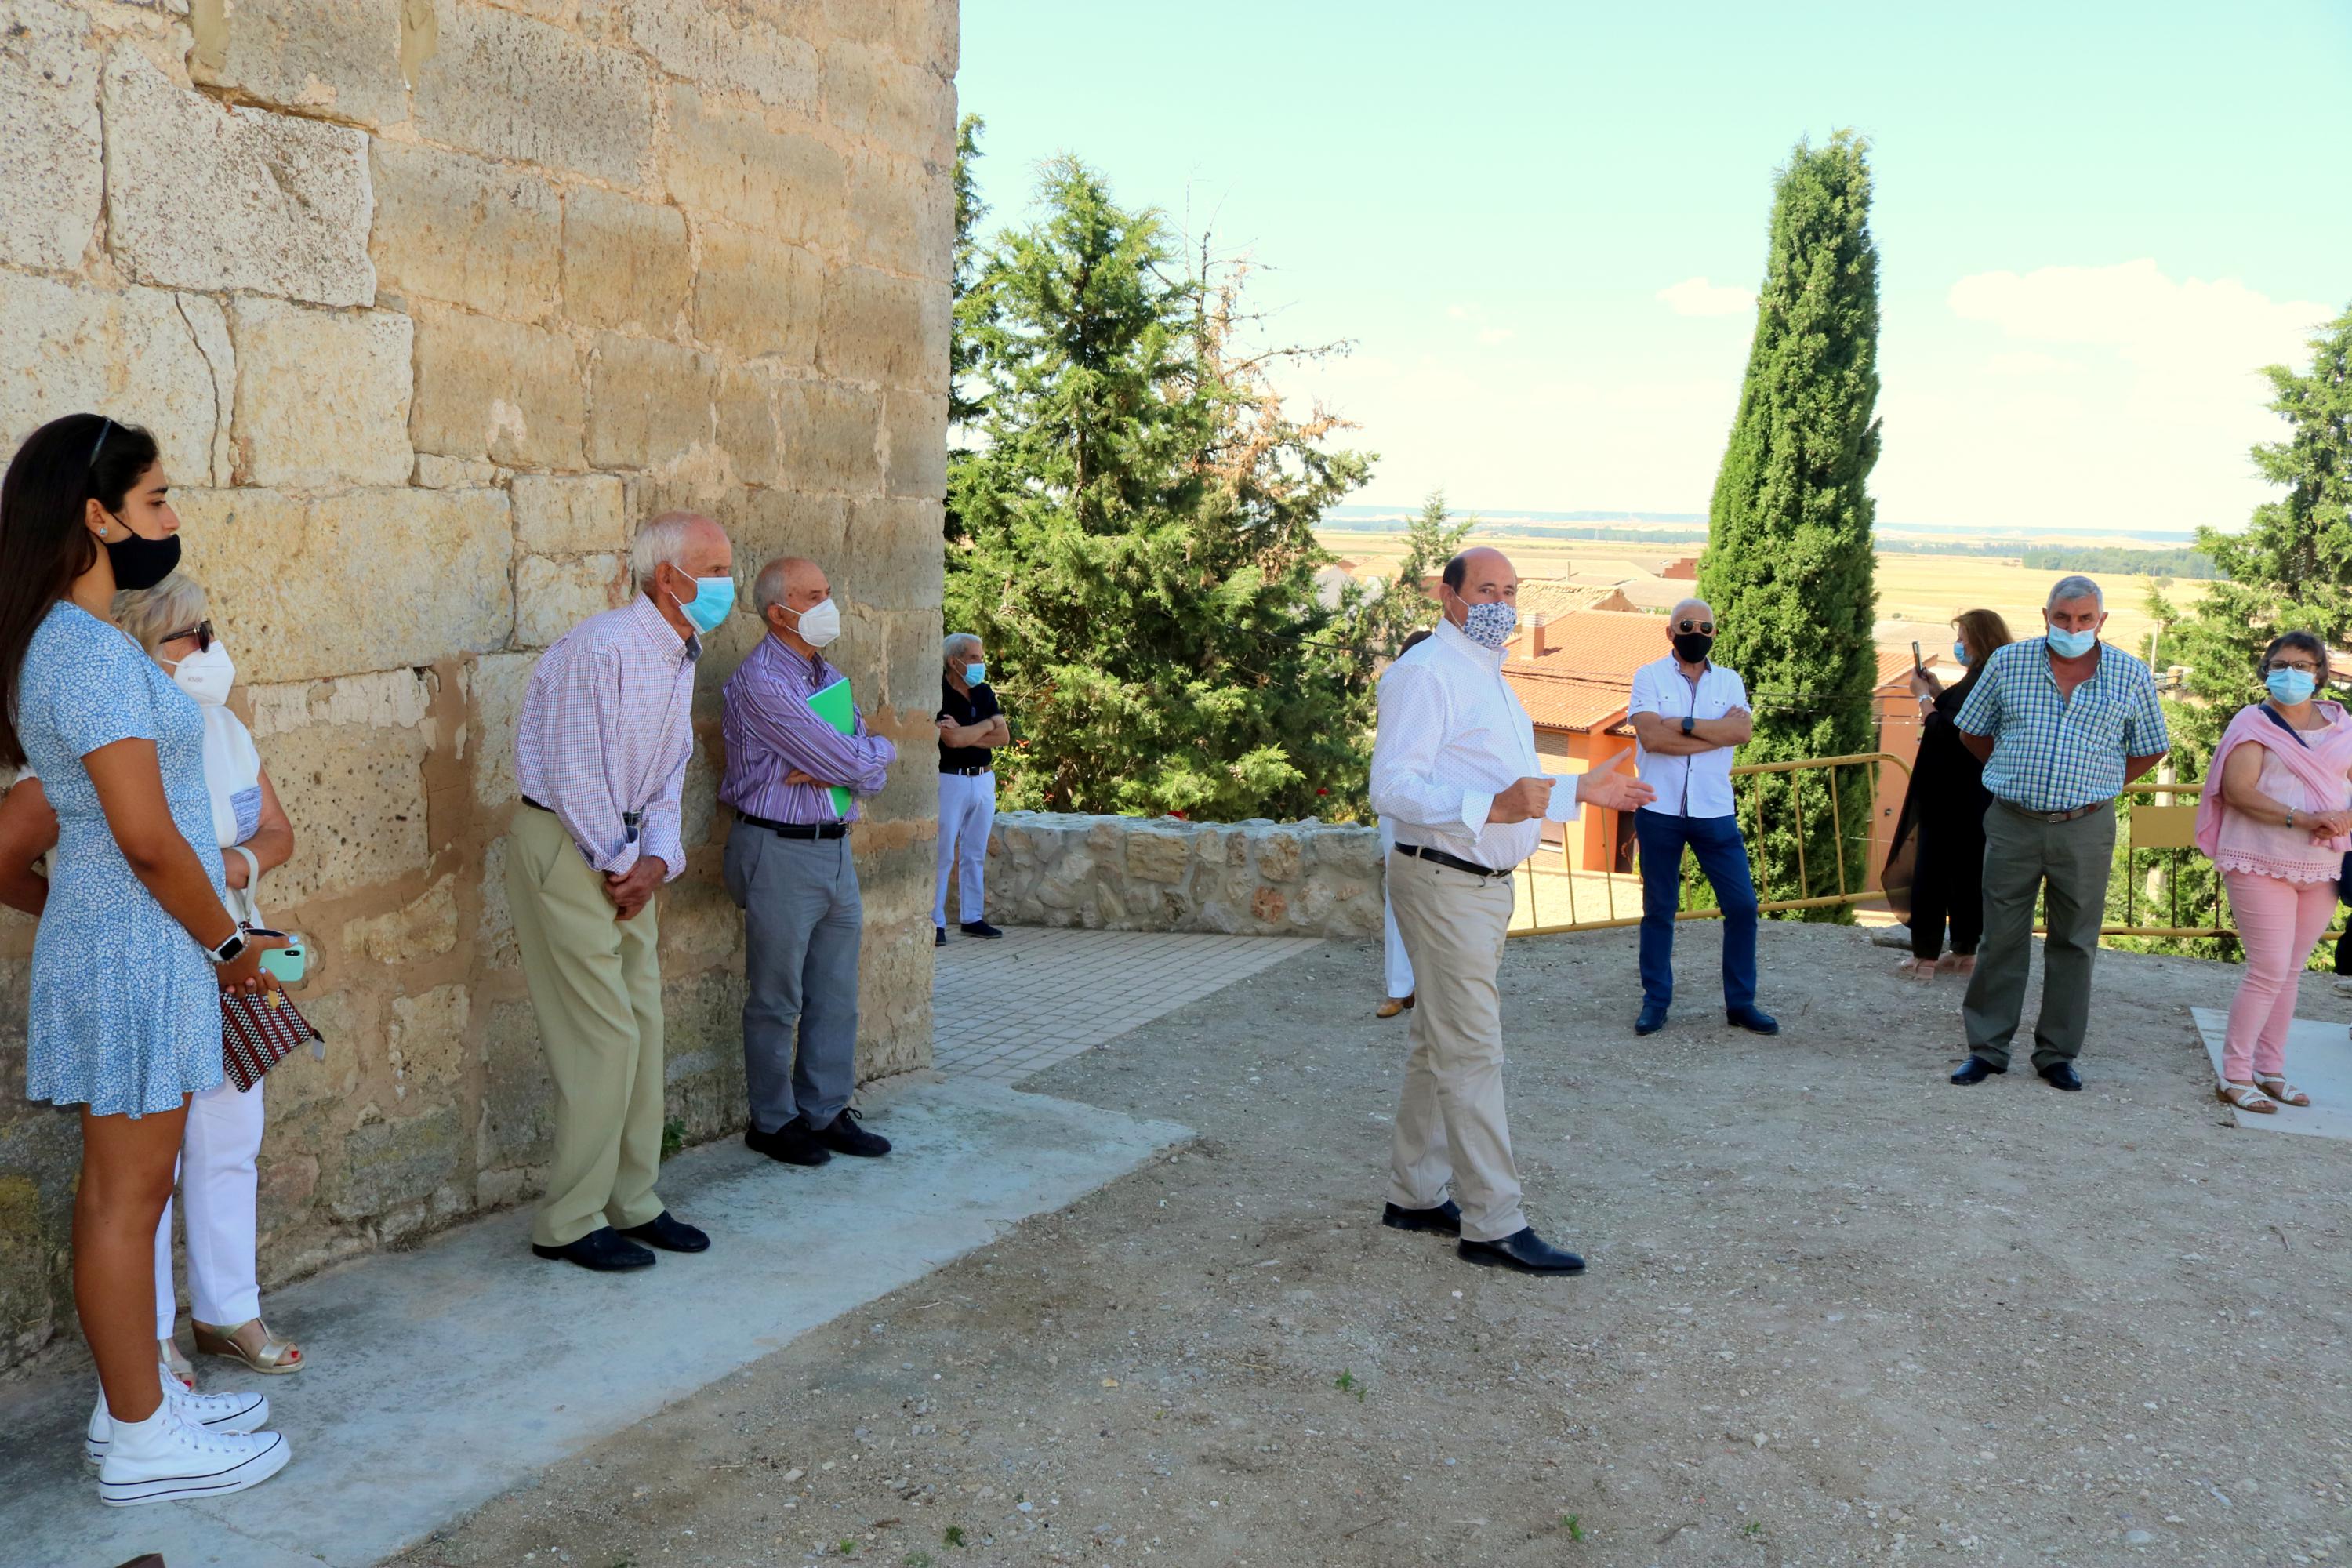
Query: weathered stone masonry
column 432, row 302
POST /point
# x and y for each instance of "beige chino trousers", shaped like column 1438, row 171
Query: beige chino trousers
column 1450, row 1128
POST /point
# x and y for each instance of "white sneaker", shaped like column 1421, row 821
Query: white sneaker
column 164, row 1459
column 235, row 1413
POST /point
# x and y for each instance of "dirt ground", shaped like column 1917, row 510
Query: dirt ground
column 1838, row 1311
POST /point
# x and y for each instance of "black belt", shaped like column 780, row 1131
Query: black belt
column 1455, row 862
column 2075, row 815
column 536, row 807
column 796, row 830
column 969, row 772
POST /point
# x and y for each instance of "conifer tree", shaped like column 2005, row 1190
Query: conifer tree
column 1787, row 566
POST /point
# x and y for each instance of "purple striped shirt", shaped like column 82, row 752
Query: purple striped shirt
column 607, row 727
column 770, row 731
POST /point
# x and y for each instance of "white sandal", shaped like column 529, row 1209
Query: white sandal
column 2275, row 1085
column 2245, row 1096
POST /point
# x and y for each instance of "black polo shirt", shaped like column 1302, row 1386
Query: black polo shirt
column 953, row 704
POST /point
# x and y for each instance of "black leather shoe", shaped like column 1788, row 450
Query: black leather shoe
column 938, row 936
column 793, row 1144
column 843, row 1136
column 1524, row 1250
column 2060, row 1075
column 669, row 1235
column 1446, row 1218
column 1652, row 1019
column 1754, row 1020
column 1974, row 1071
column 980, row 928
column 602, row 1249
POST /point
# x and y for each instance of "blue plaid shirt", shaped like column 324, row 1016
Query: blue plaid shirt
column 2052, row 752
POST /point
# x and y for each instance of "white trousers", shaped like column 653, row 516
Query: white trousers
column 1398, row 962
column 1451, row 1132
column 967, row 808
column 217, row 1180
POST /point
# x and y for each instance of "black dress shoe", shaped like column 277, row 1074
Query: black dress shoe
column 602, row 1249
column 1974, row 1071
column 793, row 1144
column 1524, row 1250
column 1653, row 1018
column 669, row 1235
column 2060, row 1075
column 1446, row 1218
column 980, row 928
column 938, row 936
column 1755, row 1020
column 843, row 1136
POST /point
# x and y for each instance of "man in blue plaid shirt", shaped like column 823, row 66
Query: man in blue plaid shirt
column 2061, row 723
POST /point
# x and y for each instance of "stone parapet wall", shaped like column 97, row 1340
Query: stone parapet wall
column 1128, row 873
column 431, row 303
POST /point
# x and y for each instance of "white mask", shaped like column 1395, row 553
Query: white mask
column 206, row 675
column 820, row 624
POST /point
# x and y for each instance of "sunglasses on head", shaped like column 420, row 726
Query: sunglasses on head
column 1704, row 628
column 202, row 631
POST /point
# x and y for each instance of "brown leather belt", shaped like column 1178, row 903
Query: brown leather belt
column 2054, row 816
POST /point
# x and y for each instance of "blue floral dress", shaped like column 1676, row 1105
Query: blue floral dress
column 125, row 1015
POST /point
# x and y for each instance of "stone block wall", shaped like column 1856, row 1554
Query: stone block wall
column 1130, row 873
column 432, row 303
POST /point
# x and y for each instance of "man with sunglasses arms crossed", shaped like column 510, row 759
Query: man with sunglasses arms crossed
column 1688, row 712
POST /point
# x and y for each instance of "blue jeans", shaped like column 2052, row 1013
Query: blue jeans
column 1723, row 857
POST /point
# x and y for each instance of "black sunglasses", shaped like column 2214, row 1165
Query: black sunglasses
column 202, row 631
column 1704, row 628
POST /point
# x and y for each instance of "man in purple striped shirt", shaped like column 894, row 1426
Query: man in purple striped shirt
column 788, row 868
column 600, row 758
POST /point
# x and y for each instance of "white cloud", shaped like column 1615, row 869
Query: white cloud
column 1496, row 334
column 2030, row 361
column 1697, row 297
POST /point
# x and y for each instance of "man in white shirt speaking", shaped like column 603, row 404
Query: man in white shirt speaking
column 1454, row 771
column 1688, row 712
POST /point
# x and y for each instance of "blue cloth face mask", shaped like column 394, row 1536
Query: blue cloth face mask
column 2071, row 645
column 1490, row 625
column 713, row 598
column 2291, row 686
column 1960, row 653
column 974, row 674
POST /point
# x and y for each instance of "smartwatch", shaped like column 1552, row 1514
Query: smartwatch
column 228, row 952
column 1690, row 722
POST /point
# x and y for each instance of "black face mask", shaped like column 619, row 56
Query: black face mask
column 143, row 563
column 1692, row 648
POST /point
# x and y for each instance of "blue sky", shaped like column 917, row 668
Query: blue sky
column 1538, row 224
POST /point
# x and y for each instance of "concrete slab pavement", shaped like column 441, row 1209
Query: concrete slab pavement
column 450, row 1373
column 2318, row 1062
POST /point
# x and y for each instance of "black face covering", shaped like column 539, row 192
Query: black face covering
column 143, row 563
column 1692, row 648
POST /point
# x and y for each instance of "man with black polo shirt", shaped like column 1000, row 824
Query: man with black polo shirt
column 972, row 725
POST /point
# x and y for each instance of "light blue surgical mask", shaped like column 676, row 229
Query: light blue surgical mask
column 974, row 674
column 2291, row 686
column 2072, row 645
column 1960, row 653
column 1489, row 625
column 713, row 598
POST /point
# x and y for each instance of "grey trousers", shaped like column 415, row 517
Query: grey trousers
column 2023, row 855
column 802, row 920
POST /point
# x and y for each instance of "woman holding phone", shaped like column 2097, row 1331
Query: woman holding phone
column 1944, row 808
column 135, row 945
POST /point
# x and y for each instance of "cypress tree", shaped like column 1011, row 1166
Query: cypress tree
column 1787, row 564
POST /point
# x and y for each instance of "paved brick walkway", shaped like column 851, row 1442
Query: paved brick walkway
column 1002, row 1010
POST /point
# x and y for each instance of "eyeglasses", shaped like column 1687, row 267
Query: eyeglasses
column 2310, row 669
column 1704, row 628
column 202, row 631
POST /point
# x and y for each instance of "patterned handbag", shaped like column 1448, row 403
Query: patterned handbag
column 257, row 1032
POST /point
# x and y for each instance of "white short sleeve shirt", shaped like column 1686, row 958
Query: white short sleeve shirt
column 1697, row 786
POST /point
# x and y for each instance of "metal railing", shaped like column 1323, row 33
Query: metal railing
column 1852, row 890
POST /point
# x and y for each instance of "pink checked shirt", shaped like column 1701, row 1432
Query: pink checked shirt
column 607, row 727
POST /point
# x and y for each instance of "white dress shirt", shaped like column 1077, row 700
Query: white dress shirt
column 1699, row 784
column 1452, row 736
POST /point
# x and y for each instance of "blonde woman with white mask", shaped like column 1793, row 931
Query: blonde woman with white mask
column 218, row 1159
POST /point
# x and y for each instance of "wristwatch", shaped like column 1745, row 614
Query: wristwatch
column 1690, row 722
column 230, row 951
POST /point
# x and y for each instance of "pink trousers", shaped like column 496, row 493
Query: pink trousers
column 2278, row 922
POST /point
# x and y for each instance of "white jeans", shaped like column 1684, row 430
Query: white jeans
column 967, row 807
column 1399, row 964
column 217, row 1179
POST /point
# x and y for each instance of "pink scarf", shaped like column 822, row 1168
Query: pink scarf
column 2323, row 764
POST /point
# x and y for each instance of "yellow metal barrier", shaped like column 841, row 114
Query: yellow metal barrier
column 1851, row 890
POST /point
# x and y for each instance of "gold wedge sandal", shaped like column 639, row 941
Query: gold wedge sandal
column 250, row 1342
column 176, row 1362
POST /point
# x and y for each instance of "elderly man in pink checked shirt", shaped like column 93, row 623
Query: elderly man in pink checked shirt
column 600, row 756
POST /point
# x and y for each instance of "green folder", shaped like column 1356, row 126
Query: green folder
column 833, row 705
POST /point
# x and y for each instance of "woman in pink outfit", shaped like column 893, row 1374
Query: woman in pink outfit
column 2277, row 827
